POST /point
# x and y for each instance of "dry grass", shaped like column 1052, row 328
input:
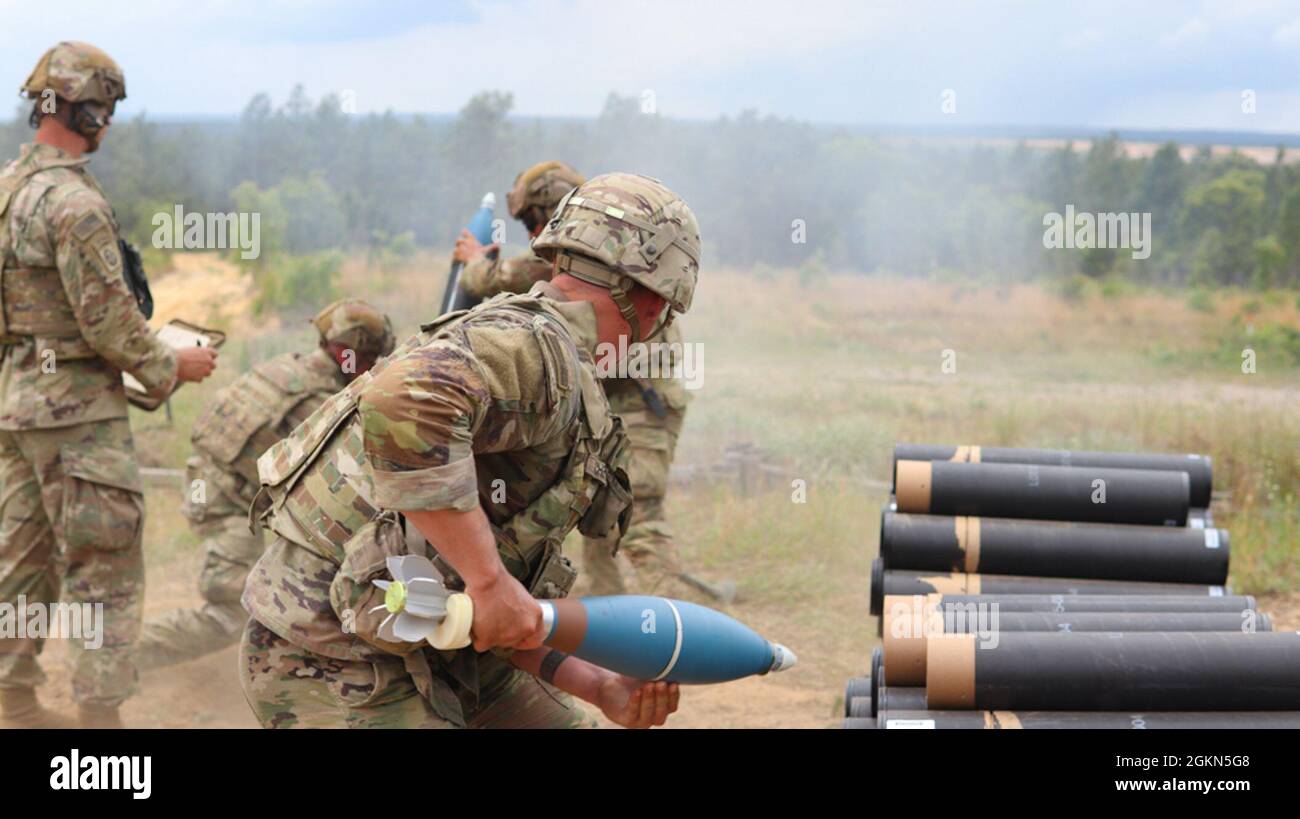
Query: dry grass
column 826, row 379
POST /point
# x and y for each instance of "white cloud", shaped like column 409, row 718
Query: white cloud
column 1288, row 33
column 1193, row 31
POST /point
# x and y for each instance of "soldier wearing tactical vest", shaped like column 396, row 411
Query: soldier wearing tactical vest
column 652, row 409
column 71, row 511
column 243, row 421
column 489, row 434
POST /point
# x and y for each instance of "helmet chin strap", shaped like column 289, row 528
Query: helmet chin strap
column 618, row 285
column 669, row 315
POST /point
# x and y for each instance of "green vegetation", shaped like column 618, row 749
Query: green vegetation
column 767, row 190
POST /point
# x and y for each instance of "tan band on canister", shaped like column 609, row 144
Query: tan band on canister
column 961, row 455
column 972, row 545
column 912, row 481
column 974, row 455
column 973, row 584
column 950, row 671
column 904, row 638
column 961, row 530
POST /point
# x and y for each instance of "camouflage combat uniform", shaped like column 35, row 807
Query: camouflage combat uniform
column 483, row 278
column 531, row 199
column 653, row 410
column 71, row 503
column 498, row 408
column 243, row 421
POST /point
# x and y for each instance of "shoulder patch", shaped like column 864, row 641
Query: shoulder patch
column 87, row 225
column 109, row 255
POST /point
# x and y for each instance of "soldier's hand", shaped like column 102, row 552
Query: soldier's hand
column 468, row 248
column 638, row 704
column 505, row 614
column 195, row 363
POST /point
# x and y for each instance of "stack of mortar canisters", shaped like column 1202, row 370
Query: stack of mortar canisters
column 1036, row 588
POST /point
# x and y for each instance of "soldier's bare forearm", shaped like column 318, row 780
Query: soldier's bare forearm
column 573, row 676
column 505, row 615
column 464, row 539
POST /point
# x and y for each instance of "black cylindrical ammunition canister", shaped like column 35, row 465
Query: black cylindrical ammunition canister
column 1072, row 603
column 1199, row 470
column 1057, row 720
column 861, row 707
column 856, row 687
column 1247, row 621
column 860, row 723
column 910, row 622
column 1148, row 671
column 1074, row 493
column 900, row 698
column 1106, row 551
column 903, row 581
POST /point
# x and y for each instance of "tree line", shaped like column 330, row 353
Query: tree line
column 769, row 192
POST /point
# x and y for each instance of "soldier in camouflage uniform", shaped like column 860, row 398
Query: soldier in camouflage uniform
column 242, row 422
column 488, row 434
column 532, row 199
column 652, row 409
column 71, row 506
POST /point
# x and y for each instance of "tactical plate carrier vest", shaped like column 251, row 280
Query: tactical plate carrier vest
column 321, row 494
column 32, row 300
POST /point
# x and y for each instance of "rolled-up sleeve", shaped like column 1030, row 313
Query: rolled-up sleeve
column 419, row 416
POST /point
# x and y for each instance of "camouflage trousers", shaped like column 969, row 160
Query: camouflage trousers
column 220, row 521
column 71, row 525
column 648, row 542
column 291, row 687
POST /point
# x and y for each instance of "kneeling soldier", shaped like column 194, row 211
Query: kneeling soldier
column 243, row 421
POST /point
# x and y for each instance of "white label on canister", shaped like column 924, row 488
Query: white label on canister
column 1216, row 591
column 1197, row 523
column 909, row 723
column 1211, row 538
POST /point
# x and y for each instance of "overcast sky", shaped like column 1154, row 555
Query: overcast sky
column 1134, row 64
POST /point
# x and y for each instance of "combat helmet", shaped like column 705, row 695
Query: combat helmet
column 618, row 229
column 537, row 191
column 357, row 326
column 77, row 73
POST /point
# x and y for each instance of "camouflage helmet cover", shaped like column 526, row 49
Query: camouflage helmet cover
column 357, row 325
column 542, row 186
column 633, row 225
column 77, row 72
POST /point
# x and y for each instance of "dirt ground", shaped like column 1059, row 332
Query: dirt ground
column 205, row 693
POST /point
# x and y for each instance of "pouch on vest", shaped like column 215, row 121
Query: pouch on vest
column 353, row 594
column 280, row 466
column 554, row 578
column 611, row 504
